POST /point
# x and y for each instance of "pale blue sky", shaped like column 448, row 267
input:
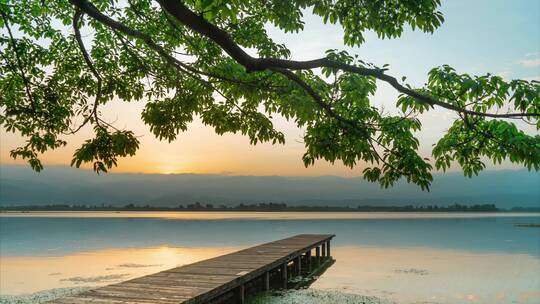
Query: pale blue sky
column 478, row 36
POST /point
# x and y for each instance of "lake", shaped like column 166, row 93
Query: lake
column 391, row 257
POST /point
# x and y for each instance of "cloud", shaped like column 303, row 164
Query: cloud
column 531, row 60
column 531, row 78
column 506, row 73
column 530, row 63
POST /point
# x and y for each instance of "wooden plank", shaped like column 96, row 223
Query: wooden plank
column 205, row 280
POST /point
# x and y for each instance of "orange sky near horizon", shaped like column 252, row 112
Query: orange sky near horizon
column 200, row 150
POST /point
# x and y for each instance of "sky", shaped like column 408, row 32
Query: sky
column 481, row 36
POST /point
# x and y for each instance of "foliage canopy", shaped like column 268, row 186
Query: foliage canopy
column 215, row 59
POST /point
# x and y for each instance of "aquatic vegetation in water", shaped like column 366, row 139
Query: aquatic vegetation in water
column 133, row 265
column 96, row 279
column 528, row 225
column 414, row 271
column 315, row 296
column 41, row 296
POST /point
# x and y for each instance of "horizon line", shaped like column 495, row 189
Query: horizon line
column 232, row 174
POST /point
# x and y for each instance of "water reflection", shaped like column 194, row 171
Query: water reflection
column 426, row 275
column 64, row 235
column 232, row 215
column 19, row 275
column 416, row 258
column 401, row 275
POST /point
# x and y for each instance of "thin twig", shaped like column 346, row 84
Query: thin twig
column 76, row 18
column 19, row 62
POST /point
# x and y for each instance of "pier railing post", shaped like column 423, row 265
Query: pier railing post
column 318, row 255
column 241, row 294
column 284, row 275
column 267, row 281
column 308, row 257
column 298, row 264
column 328, row 248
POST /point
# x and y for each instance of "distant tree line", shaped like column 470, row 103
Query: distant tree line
column 268, row 207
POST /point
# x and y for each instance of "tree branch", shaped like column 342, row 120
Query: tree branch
column 18, row 59
column 282, row 67
column 91, row 10
column 319, row 100
column 197, row 23
column 76, row 18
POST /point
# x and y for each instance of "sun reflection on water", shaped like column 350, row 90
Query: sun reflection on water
column 20, row 275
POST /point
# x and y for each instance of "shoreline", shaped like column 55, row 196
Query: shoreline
column 298, row 295
column 262, row 215
column 270, row 207
column 263, row 211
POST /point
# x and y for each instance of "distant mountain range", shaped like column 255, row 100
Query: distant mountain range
column 63, row 185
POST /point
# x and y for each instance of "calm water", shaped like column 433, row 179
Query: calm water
column 397, row 257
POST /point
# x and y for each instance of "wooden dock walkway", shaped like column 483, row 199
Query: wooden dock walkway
column 223, row 279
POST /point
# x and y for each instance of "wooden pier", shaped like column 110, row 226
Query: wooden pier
column 224, row 279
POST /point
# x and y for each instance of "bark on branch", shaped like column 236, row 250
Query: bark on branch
column 76, row 19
